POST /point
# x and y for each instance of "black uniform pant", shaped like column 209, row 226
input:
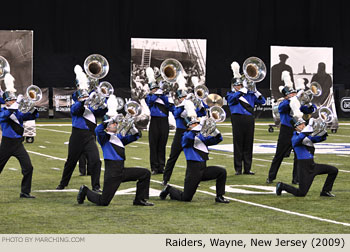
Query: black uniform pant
column 307, row 170
column 115, row 174
column 83, row 165
column 82, row 142
column 243, row 137
column 195, row 173
column 176, row 149
column 14, row 147
column 284, row 147
column 158, row 137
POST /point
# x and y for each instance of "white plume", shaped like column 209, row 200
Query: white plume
column 190, row 108
column 295, row 107
column 287, row 79
column 181, row 81
column 112, row 105
column 9, row 83
column 195, row 81
column 300, row 84
column 235, row 69
column 150, row 75
column 81, row 78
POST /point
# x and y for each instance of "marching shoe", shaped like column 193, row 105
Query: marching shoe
column 26, row 195
column 60, row 187
column 249, row 173
column 154, row 172
column 164, row 183
column 327, row 194
column 279, row 188
column 238, row 173
column 164, row 192
column 268, row 181
column 221, row 199
column 142, row 203
column 294, row 182
column 82, row 194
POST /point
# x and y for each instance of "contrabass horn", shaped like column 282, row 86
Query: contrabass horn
column 4, row 67
column 33, row 95
column 96, row 67
column 325, row 116
column 216, row 114
column 132, row 109
column 254, row 71
column 314, row 91
column 170, row 69
column 97, row 98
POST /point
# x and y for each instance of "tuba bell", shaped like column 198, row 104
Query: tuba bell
column 132, row 109
column 170, row 69
column 254, row 70
column 96, row 66
column 325, row 116
column 33, row 95
column 314, row 91
column 4, row 67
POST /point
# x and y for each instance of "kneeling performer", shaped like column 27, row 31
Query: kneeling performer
column 112, row 145
column 303, row 145
column 196, row 152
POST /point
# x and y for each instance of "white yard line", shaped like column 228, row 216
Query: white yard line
column 60, row 131
column 268, row 207
column 234, row 199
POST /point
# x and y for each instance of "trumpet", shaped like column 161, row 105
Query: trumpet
column 254, row 70
column 33, row 95
column 314, row 91
column 97, row 98
column 4, row 67
column 325, row 116
column 215, row 114
column 132, row 109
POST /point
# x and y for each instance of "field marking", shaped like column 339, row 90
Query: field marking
column 60, row 131
column 48, row 156
column 267, row 207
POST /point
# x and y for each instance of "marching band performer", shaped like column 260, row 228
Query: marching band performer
column 287, row 108
column 11, row 120
column 159, row 106
column 82, row 139
column 303, row 145
column 196, row 152
column 241, row 102
column 112, row 144
column 179, row 114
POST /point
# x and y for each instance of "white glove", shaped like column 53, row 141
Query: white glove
column 311, row 122
column 243, row 90
column 19, row 98
column 215, row 133
column 300, row 93
column 184, row 113
column 308, row 129
column 257, row 93
column 170, row 99
column 134, row 130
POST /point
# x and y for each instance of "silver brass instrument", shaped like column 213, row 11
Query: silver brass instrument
column 33, row 95
column 170, row 69
column 216, row 114
column 325, row 116
column 96, row 66
column 97, row 98
column 200, row 93
column 254, row 70
column 132, row 109
column 4, row 67
column 314, row 91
